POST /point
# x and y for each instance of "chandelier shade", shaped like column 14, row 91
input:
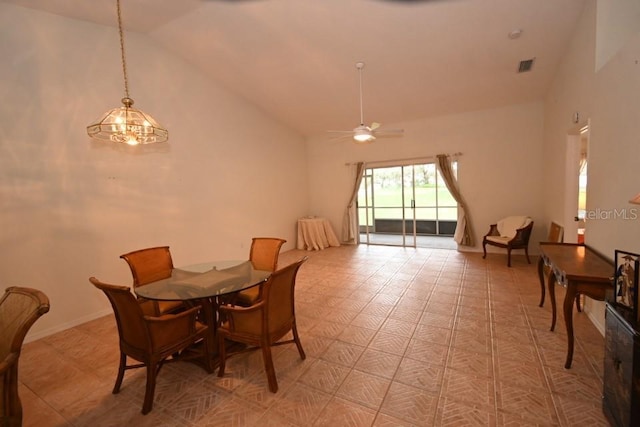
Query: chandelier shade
column 127, row 125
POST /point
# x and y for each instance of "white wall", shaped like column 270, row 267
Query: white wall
column 69, row 208
column 610, row 99
column 500, row 171
column 616, row 21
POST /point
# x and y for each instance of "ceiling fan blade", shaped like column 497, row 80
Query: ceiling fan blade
column 412, row 1
column 374, row 126
column 340, row 131
column 339, row 137
column 381, row 131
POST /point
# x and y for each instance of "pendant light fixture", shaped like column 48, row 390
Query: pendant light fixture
column 126, row 124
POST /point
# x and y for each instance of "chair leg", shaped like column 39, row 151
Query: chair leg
column 484, row 249
column 509, row 257
column 269, row 369
column 121, row 369
column 526, row 252
column 11, row 408
column 152, row 372
column 296, row 339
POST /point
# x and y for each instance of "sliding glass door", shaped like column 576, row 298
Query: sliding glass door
column 399, row 204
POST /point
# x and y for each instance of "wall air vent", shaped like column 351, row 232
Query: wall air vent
column 526, row 65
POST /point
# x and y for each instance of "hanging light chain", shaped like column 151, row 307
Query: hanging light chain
column 127, row 124
column 124, row 60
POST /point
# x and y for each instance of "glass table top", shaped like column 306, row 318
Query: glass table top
column 204, row 280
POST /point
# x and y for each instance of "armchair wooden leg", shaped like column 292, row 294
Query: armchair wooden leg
column 11, row 408
column 509, row 257
column 526, row 252
column 121, row 369
column 269, row 369
column 152, row 372
column 296, row 339
column 484, row 249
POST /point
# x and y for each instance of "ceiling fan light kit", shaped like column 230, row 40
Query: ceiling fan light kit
column 362, row 135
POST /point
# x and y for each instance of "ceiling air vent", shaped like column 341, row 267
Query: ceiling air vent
column 526, row 65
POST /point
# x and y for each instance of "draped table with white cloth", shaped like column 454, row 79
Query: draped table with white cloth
column 315, row 234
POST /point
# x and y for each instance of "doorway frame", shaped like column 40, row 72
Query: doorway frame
column 572, row 171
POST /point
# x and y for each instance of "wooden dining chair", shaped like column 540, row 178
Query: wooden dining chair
column 19, row 310
column 263, row 255
column 265, row 323
column 152, row 340
column 150, row 265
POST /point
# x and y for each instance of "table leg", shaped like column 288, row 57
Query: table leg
column 552, row 296
column 568, row 321
column 209, row 313
column 541, row 276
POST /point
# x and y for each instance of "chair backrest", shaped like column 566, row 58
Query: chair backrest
column 149, row 265
column 19, row 309
column 129, row 316
column 556, row 233
column 508, row 226
column 264, row 252
column 278, row 294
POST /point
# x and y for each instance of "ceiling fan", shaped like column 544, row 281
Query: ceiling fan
column 364, row 134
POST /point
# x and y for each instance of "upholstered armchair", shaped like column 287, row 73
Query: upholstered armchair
column 150, row 265
column 509, row 233
column 263, row 255
column 265, row 323
column 19, row 309
column 153, row 340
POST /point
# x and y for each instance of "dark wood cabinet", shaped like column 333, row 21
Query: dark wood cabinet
column 621, row 400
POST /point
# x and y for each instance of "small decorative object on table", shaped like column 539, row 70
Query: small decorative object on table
column 626, row 281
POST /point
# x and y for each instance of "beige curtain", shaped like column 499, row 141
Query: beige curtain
column 463, row 234
column 350, row 234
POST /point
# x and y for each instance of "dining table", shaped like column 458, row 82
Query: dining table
column 203, row 285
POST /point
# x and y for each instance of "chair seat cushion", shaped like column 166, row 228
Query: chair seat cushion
column 248, row 297
column 170, row 306
column 508, row 227
column 502, row 240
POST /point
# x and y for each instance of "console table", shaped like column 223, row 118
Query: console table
column 582, row 271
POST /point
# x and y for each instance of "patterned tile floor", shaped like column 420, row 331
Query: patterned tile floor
column 393, row 336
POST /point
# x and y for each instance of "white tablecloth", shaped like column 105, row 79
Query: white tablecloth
column 315, row 234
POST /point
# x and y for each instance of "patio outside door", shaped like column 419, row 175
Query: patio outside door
column 386, row 206
column 397, row 205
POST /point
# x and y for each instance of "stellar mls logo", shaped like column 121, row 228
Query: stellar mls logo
column 609, row 214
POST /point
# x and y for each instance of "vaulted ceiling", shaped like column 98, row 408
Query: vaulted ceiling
column 295, row 59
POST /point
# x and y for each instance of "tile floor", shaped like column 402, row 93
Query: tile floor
column 393, row 336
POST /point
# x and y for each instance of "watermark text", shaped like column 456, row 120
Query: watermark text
column 610, row 214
